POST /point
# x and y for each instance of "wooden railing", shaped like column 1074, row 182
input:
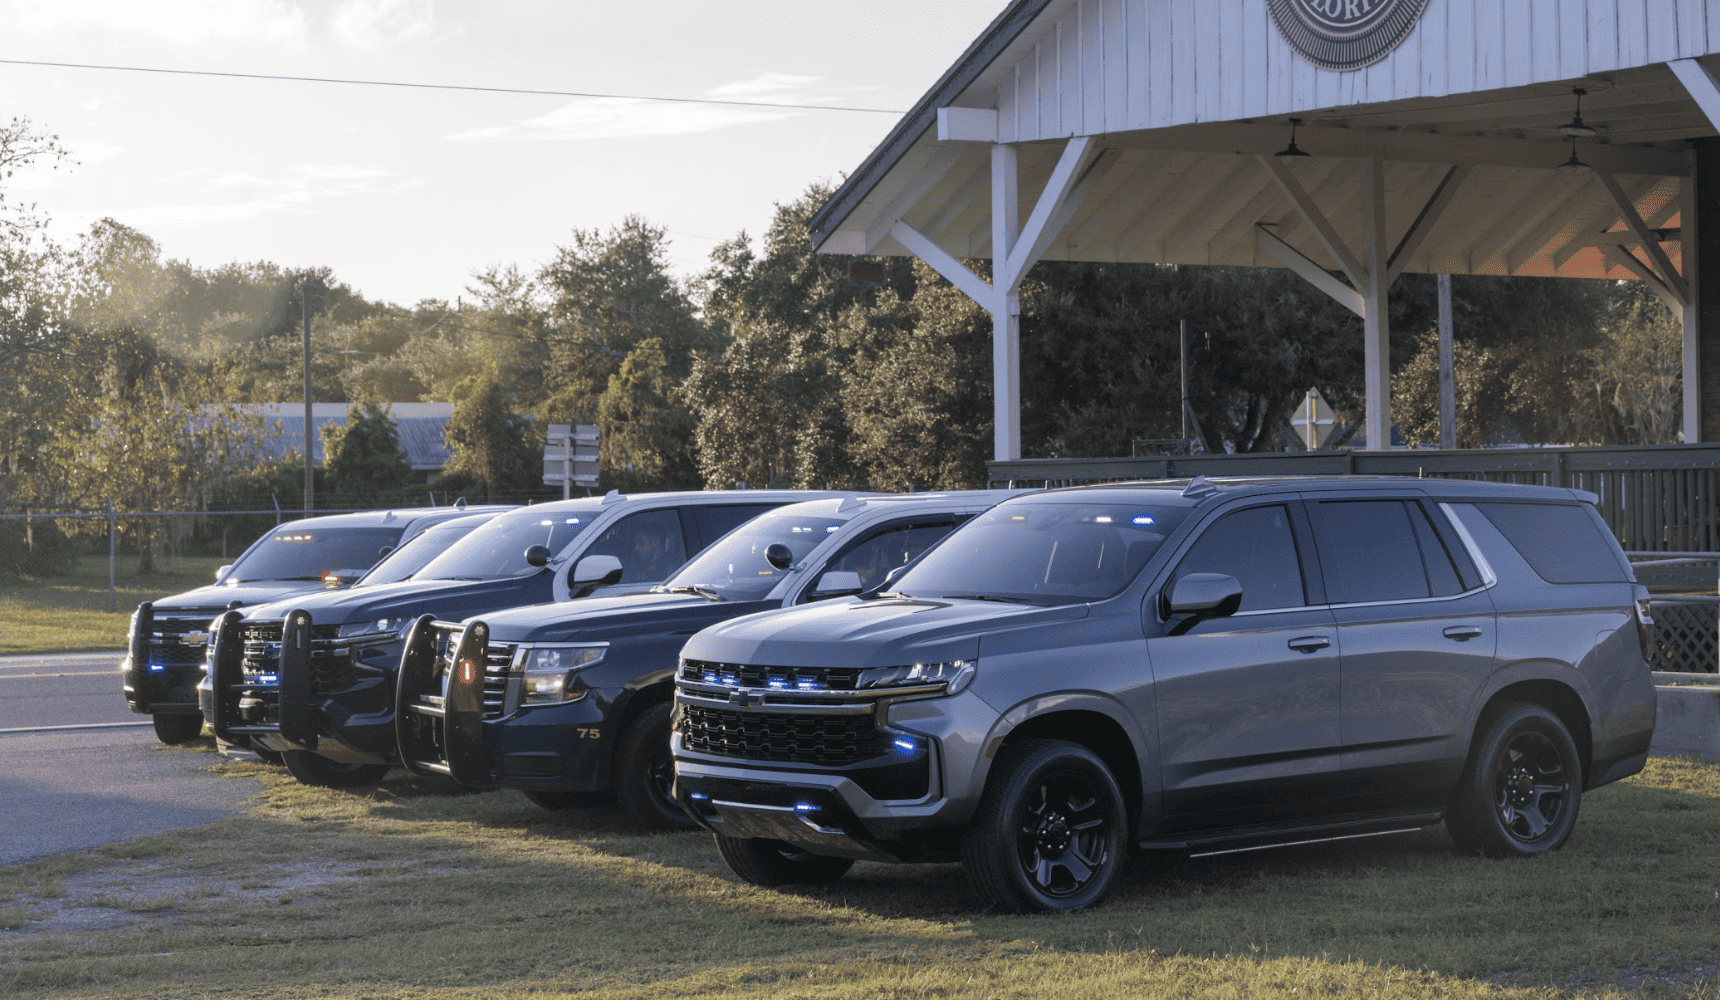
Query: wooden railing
column 1656, row 498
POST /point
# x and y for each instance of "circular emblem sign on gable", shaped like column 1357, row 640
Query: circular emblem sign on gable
column 1345, row 34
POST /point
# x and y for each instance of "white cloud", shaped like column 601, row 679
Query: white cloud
column 619, row 118
column 366, row 24
column 186, row 22
column 768, row 87
column 298, row 187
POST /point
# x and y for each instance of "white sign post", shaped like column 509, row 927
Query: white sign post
column 570, row 457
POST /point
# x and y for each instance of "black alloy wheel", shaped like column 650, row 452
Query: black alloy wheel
column 645, row 773
column 313, row 769
column 1049, row 832
column 172, row 729
column 1522, row 787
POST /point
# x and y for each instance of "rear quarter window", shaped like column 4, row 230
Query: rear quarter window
column 1560, row 542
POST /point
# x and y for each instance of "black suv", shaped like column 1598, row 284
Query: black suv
column 168, row 638
column 574, row 698
column 1197, row 667
column 312, row 678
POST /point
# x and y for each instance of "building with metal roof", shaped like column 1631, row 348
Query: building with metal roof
column 419, row 425
column 1350, row 141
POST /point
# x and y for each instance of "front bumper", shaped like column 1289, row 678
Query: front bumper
column 164, row 661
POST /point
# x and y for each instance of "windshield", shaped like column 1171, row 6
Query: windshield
column 498, row 549
column 735, row 568
column 418, row 551
column 308, row 553
column 1043, row 553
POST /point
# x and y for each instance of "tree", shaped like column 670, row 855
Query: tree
column 1480, row 394
column 1641, row 365
column 21, row 145
column 646, row 433
column 364, row 459
column 493, row 447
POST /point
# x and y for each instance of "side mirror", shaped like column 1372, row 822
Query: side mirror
column 223, row 571
column 538, row 555
column 836, row 583
column 593, row 572
column 384, row 551
column 1204, row 595
column 779, row 555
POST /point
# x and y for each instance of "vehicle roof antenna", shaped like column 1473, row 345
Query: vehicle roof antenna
column 613, row 496
column 1198, row 487
column 460, row 504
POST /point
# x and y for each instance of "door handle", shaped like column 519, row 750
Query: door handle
column 1309, row 643
column 1463, row 633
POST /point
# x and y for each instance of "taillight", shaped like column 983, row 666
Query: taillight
column 1644, row 627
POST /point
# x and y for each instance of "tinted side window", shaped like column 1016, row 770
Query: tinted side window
column 1442, row 571
column 877, row 556
column 1368, row 552
column 1560, row 541
column 1258, row 548
column 715, row 522
column 649, row 545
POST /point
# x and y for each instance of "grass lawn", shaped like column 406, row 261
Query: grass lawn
column 68, row 614
column 414, row 890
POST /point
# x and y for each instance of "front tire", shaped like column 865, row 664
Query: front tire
column 312, row 769
column 1521, row 787
column 645, row 773
column 1049, row 832
column 772, row 862
column 171, row 729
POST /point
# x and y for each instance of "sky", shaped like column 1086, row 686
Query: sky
column 406, row 192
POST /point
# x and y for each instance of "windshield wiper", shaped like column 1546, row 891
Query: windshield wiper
column 986, row 597
column 703, row 590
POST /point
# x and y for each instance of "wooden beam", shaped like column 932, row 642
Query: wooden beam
column 1424, row 223
column 1631, row 262
column 943, row 262
column 1038, row 232
column 1656, row 252
column 1316, row 220
column 1268, row 243
column 1703, row 88
column 967, row 125
column 1097, row 179
column 1376, row 325
column 1403, row 147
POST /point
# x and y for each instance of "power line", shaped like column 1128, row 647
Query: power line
column 445, row 86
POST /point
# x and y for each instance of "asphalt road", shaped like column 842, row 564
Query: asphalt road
column 78, row 770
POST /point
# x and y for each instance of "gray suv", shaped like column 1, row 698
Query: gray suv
column 1190, row 666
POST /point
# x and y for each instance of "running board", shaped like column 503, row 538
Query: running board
column 1299, row 843
column 1288, row 835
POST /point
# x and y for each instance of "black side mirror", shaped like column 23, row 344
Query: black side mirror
column 384, row 551
column 779, row 555
column 1199, row 596
column 538, row 555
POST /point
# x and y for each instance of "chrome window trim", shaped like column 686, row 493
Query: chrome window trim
column 1488, row 577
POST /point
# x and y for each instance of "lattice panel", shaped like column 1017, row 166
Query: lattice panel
column 1686, row 636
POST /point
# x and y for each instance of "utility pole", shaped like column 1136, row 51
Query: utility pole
column 1182, row 365
column 305, row 316
column 1447, row 372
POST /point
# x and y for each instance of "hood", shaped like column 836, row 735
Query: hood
column 877, row 633
column 216, row 598
column 608, row 618
column 407, row 599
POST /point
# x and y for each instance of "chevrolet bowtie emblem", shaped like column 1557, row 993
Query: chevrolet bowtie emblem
column 196, row 638
column 741, row 698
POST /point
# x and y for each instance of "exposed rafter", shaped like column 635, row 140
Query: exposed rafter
column 1316, row 220
column 1269, row 243
column 1662, row 263
column 1443, row 196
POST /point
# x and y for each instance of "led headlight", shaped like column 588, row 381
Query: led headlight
column 549, row 672
column 373, row 629
column 955, row 675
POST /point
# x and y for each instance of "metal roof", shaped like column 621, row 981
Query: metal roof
column 420, row 427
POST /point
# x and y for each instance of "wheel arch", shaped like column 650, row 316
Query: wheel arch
column 1556, row 697
column 1095, row 730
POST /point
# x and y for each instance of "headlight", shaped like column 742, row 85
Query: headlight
column 955, row 675
column 549, row 672
column 373, row 629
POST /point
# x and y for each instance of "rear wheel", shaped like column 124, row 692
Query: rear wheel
column 312, row 769
column 645, row 773
column 177, row 728
column 1048, row 835
column 772, row 862
column 1521, row 788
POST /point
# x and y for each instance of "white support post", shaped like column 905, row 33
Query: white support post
column 1688, row 244
column 1376, row 332
column 1005, row 304
column 1701, row 86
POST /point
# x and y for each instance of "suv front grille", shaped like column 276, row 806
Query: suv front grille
column 167, row 645
column 498, row 662
column 260, row 660
column 822, row 740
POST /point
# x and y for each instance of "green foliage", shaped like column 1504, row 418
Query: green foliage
column 364, row 459
column 646, row 441
column 493, row 447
